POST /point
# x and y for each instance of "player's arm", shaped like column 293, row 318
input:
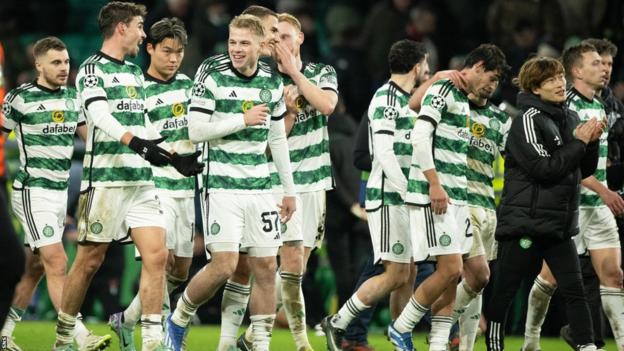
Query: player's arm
column 382, row 123
column 278, row 145
column 612, row 199
column 422, row 140
column 12, row 115
column 323, row 97
column 416, row 98
column 82, row 129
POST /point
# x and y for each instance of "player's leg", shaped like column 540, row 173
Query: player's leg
column 562, row 259
column 514, row 263
column 224, row 226
column 400, row 297
column 23, row 294
column 603, row 243
column 234, row 304
column 542, row 291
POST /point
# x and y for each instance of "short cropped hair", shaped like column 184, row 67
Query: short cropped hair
column 603, row 46
column 250, row 22
column 492, row 57
column 167, row 28
column 573, row 55
column 404, row 54
column 288, row 18
column 118, row 12
column 536, row 70
column 42, row 46
column 259, row 11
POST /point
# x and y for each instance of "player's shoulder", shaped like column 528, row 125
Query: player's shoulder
column 215, row 63
column 319, row 67
column 13, row 94
column 443, row 87
column 70, row 92
column 182, row 76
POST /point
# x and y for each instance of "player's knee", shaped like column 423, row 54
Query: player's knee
column 55, row 264
column 614, row 276
column 451, row 271
column 92, row 264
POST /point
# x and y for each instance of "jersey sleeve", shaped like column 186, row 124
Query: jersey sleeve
column 90, row 84
column 382, row 117
column 435, row 101
column 11, row 110
column 505, row 132
column 279, row 107
column 202, row 94
column 328, row 79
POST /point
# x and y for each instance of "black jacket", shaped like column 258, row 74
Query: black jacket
column 544, row 165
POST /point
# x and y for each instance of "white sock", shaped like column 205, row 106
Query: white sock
column 185, row 309
column 233, row 308
column 613, row 306
column 151, row 328
column 165, row 309
column 80, row 331
column 348, row 311
column 262, row 327
column 469, row 324
column 294, row 305
column 132, row 313
column 440, row 330
column 278, row 291
column 539, row 299
column 465, row 295
column 65, row 326
column 410, row 316
column 14, row 316
column 588, row 347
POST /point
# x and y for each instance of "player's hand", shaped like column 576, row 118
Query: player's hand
column 585, row 131
column 290, row 98
column 601, row 127
column 439, row 199
column 187, row 165
column 256, row 115
column 614, row 201
column 287, row 208
column 286, row 59
column 455, row 76
column 150, row 151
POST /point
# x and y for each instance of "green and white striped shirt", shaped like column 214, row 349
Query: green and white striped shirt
column 308, row 141
column 489, row 127
column 447, row 108
column 236, row 163
column 389, row 113
column 587, row 109
column 166, row 104
column 44, row 122
column 107, row 162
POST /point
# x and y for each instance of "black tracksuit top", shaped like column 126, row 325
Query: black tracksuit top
column 544, row 164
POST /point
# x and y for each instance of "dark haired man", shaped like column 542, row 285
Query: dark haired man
column 390, row 124
column 599, row 205
column 45, row 115
column 167, row 94
column 119, row 199
column 437, row 189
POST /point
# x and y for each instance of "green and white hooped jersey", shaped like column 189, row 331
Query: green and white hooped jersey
column 447, row 108
column 236, row 163
column 489, row 128
column 389, row 113
column 587, row 109
column 308, row 141
column 107, row 162
column 44, row 122
column 166, row 104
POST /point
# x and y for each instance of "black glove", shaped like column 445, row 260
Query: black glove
column 150, row 151
column 187, row 165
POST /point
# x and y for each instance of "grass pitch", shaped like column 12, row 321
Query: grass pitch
column 39, row 336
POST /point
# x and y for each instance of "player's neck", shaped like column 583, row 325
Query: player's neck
column 404, row 81
column 585, row 89
column 248, row 71
column 44, row 83
column 152, row 71
column 113, row 49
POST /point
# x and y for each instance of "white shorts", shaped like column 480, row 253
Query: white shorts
column 108, row 214
column 390, row 234
column 308, row 221
column 437, row 235
column 179, row 216
column 41, row 213
column 597, row 230
column 483, row 222
column 241, row 220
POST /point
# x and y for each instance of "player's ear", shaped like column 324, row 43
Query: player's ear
column 301, row 37
column 150, row 49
